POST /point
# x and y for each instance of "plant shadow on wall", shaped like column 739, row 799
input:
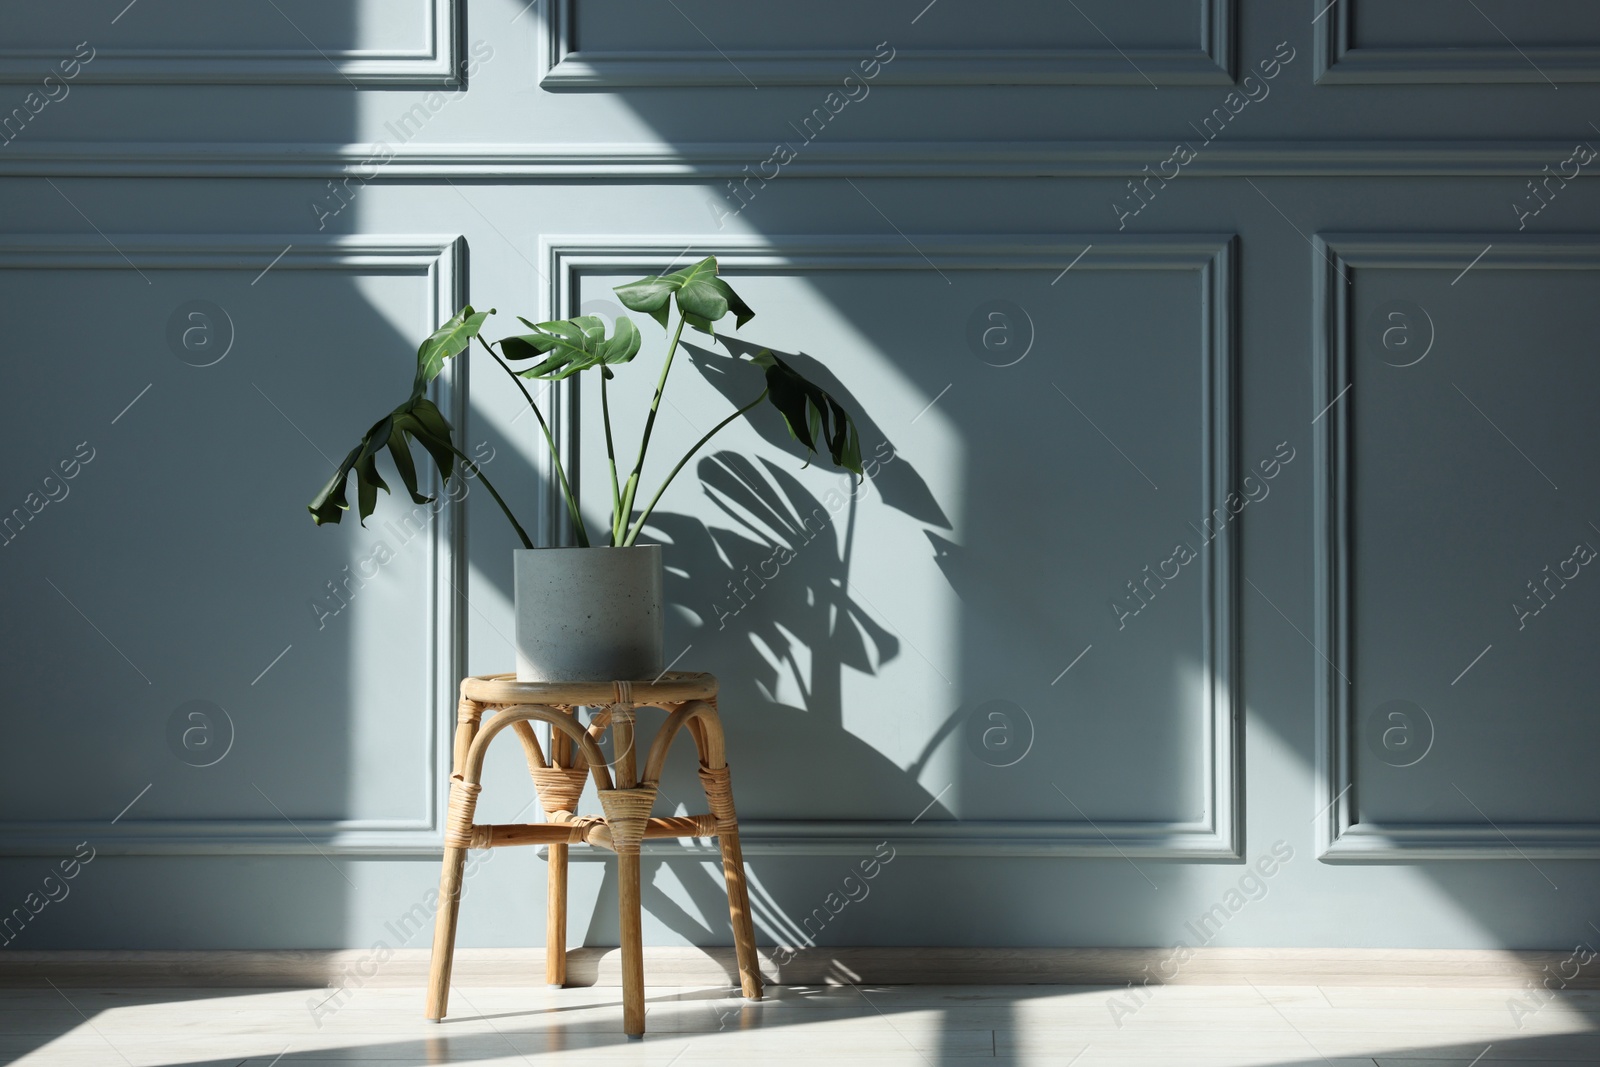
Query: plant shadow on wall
column 772, row 592
column 775, row 589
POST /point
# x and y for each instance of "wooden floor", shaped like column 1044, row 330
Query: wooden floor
column 1194, row 1026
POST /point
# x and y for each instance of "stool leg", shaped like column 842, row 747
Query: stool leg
column 630, row 922
column 555, row 919
column 627, row 832
column 719, row 795
column 555, row 915
column 463, row 801
column 444, row 932
column 744, row 935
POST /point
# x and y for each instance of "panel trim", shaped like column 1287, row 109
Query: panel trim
column 437, row 63
column 1218, row 835
column 878, row 159
column 1338, row 63
column 1211, row 62
column 443, row 261
column 1340, row 834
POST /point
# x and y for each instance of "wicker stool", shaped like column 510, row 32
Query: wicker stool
column 689, row 700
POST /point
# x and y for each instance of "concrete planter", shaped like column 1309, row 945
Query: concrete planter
column 588, row 614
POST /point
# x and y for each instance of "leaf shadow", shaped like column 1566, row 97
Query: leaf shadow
column 898, row 483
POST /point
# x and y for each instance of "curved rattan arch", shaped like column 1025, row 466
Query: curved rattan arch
column 708, row 738
column 472, row 770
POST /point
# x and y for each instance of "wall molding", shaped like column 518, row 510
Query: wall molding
column 440, row 261
column 837, row 159
column 1210, row 62
column 436, row 62
column 1339, row 63
column 1341, row 833
column 1218, row 834
column 818, row 965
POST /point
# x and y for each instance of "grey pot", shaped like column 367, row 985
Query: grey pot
column 588, row 614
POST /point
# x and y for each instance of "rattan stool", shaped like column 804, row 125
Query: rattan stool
column 689, row 700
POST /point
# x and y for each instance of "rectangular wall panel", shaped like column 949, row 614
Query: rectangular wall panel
column 183, row 42
column 1456, row 622
column 1004, row 712
column 244, row 369
column 1374, row 42
column 1158, row 42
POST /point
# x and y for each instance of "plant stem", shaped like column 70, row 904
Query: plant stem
column 638, row 527
column 555, row 457
column 632, row 488
column 611, row 457
column 478, row 471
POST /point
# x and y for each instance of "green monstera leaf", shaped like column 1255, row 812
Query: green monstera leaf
column 702, row 297
column 447, row 341
column 573, row 345
column 810, row 413
column 418, row 421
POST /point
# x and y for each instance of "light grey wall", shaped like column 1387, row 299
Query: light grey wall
column 1344, row 286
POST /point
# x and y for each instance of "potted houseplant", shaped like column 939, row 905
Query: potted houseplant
column 590, row 613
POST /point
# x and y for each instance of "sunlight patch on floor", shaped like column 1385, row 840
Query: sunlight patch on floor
column 1211, row 1026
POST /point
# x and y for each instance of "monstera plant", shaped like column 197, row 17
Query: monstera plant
column 546, row 583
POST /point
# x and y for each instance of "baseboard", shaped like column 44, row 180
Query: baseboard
column 815, row 966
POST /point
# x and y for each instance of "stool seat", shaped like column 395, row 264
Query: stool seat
column 671, row 688
column 626, row 797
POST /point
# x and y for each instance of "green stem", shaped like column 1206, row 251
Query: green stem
column 478, row 472
column 555, row 457
column 632, row 487
column 611, row 458
column 638, row 527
